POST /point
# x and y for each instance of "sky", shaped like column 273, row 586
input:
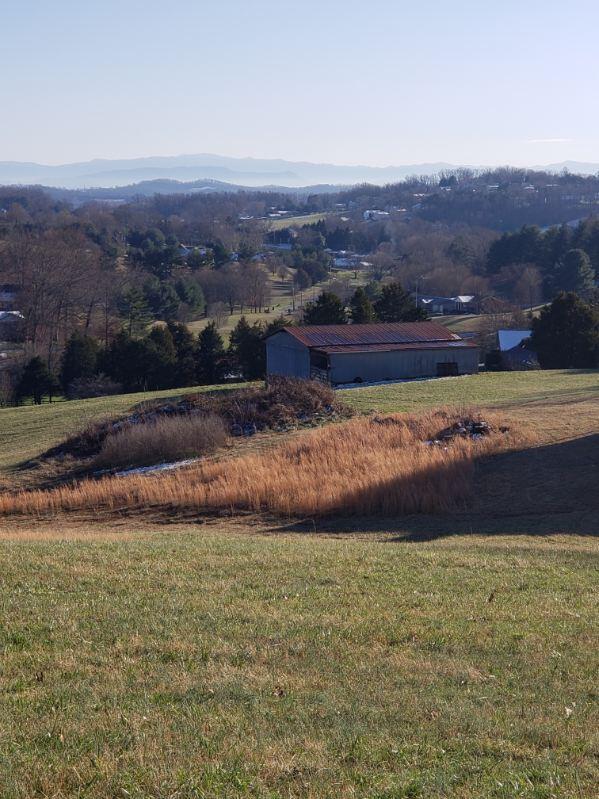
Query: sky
column 374, row 82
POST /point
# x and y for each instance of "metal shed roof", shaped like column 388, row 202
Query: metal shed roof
column 414, row 345
column 372, row 334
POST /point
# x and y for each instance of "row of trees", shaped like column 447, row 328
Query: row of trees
column 169, row 356
column 391, row 304
column 567, row 259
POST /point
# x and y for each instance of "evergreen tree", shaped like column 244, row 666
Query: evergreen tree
column 248, row 349
column 134, row 310
column 210, row 356
column 326, row 310
column 79, row 359
column 396, row 305
column 191, row 295
column 575, row 273
column 164, row 361
column 162, row 299
column 184, row 348
column 130, row 362
column 566, row 334
column 361, row 309
column 36, row 382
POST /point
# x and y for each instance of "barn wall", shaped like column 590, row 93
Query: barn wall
column 287, row 356
column 397, row 364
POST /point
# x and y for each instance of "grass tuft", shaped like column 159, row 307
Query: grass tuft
column 162, row 440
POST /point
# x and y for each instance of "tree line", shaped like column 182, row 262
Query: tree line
column 169, row 356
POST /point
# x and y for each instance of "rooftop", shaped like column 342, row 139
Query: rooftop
column 384, row 333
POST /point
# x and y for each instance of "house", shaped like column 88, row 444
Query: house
column 374, row 215
column 463, row 303
column 369, row 353
column 514, row 352
column 12, row 324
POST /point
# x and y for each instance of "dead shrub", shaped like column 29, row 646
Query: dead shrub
column 162, row 440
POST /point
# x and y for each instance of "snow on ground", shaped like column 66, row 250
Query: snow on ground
column 158, row 467
column 366, row 384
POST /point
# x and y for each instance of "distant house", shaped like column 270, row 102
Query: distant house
column 369, row 353
column 515, row 354
column 462, row 304
column 12, row 324
column 342, row 259
column 374, row 215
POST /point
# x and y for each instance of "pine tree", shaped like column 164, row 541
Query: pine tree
column 247, row 349
column 360, row 308
column 79, row 359
column 575, row 273
column 163, row 370
column 134, row 309
column 36, row 382
column 130, row 361
column 184, row 348
column 326, row 310
column 566, row 334
column 396, row 305
column 210, row 356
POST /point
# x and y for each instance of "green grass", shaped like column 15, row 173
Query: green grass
column 28, row 431
column 194, row 664
column 296, row 221
column 492, row 388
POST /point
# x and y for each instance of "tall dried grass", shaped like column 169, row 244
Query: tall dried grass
column 362, row 466
column 164, row 439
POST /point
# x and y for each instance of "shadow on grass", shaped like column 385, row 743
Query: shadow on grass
column 547, row 490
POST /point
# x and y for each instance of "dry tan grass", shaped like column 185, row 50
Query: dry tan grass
column 165, row 439
column 363, row 466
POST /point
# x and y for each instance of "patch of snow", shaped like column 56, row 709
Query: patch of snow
column 366, row 384
column 158, row 467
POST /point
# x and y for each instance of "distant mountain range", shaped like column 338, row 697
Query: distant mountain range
column 250, row 172
column 208, row 171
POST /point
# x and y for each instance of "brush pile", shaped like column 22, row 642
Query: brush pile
column 284, row 404
column 466, row 427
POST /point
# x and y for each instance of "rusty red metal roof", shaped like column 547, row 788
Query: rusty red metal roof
column 414, row 345
column 372, row 334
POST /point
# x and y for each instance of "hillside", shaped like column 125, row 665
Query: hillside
column 422, row 656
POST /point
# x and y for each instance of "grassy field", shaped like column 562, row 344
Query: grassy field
column 203, row 662
column 486, row 389
column 281, row 302
column 449, row 656
column 295, row 221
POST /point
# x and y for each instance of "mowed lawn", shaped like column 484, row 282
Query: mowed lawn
column 490, row 389
column 204, row 662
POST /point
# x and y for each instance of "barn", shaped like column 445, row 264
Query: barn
column 369, row 353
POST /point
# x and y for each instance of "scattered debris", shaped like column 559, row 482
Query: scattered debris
column 474, row 429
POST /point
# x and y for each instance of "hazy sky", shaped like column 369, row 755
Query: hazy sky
column 344, row 81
